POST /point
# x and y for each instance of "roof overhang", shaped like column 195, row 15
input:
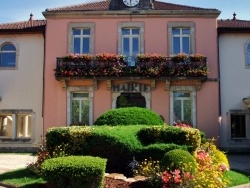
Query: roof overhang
column 133, row 13
column 233, row 30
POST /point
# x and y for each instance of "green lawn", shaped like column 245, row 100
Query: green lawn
column 237, row 178
column 25, row 179
column 21, row 178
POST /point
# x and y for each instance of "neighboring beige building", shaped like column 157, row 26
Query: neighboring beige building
column 21, row 84
column 234, row 60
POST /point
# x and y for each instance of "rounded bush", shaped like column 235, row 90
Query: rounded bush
column 179, row 159
column 129, row 116
column 74, row 171
column 220, row 157
column 156, row 151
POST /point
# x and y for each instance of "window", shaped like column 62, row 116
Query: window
column 131, row 40
column 81, row 38
column 23, row 125
column 130, row 43
column 181, row 40
column 181, row 37
column 238, row 126
column 183, row 104
column 15, row 125
column 6, row 122
column 182, row 107
column 8, row 55
column 80, row 108
column 247, row 54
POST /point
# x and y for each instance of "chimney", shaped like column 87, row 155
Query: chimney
column 31, row 17
column 234, row 18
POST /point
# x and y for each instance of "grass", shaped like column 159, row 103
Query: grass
column 237, row 178
column 23, row 178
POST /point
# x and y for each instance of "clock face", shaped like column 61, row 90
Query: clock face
column 131, row 3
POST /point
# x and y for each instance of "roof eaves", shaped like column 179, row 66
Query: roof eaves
column 233, row 29
column 169, row 13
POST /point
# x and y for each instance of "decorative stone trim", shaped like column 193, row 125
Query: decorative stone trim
column 117, row 176
column 64, row 84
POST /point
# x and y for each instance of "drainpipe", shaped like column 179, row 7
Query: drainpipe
column 218, row 60
column 44, row 47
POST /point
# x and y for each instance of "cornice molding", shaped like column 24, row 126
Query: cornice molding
column 133, row 14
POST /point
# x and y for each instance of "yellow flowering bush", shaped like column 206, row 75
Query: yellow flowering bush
column 212, row 165
column 150, row 169
column 164, row 178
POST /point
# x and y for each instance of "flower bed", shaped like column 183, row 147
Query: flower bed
column 146, row 65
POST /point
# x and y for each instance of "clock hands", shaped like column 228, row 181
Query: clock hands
column 131, row 3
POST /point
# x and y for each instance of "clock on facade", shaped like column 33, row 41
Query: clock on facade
column 131, row 3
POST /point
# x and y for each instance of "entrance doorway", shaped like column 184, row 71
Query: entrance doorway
column 130, row 100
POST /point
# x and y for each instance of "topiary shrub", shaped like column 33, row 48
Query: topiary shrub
column 57, row 136
column 157, row 151
column 119, row 144
column 74, row 172
column 179, row 159
column 170, row 134
column 111, row 143
column 129, row 116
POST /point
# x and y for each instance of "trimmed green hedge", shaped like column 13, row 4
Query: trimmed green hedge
column 74, row 172
column 179, row 159
column 157, row 151
column 119, row 144
column 170, row 134
column 129, row 116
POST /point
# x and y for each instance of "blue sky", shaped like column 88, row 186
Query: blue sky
column 19, row 10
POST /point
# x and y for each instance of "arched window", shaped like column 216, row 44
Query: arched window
column 8, row 55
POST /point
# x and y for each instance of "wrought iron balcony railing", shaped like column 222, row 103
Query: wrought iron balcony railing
column 146, row 66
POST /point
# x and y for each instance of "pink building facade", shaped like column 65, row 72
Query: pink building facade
column 121, row 28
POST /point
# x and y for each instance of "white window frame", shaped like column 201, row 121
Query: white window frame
column 131, row 36
column 84, row 89
column 181, row 36
column 11, row 41
column 81, row 37
column 90, row 26
column 181, row 25
column 192, row 91
column 182, row 99
column 14, row 114
column 131, row 25
column 80, row 100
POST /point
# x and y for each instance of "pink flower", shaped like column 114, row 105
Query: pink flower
column 187, row 176
column 166, row 177
column 202, row 155
column 223, row 167
column 177, row 176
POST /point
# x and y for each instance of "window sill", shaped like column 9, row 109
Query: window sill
column 238, row 139
column 7, row 139
column 8, row 68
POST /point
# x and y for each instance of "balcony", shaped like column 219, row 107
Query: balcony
column 112, row 66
